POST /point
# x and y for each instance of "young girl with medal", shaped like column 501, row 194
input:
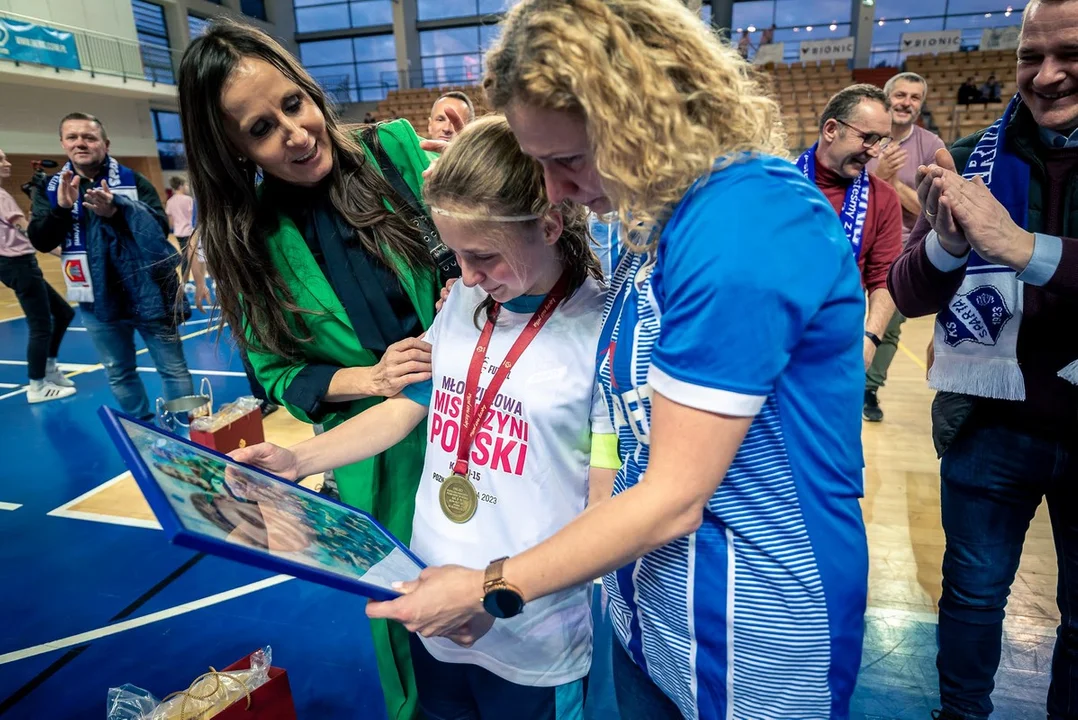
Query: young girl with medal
column 514, row 422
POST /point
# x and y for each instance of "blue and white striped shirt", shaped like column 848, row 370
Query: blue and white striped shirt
column 751, row 306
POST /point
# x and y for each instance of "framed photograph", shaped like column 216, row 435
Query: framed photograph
column 206, row 501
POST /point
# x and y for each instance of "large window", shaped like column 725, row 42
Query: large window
column 439, row 9
column 153, row 41
column 196, row 25
column 895, row 17
column 316, row 15
column 169, row 136
column 454, row 56
column 793, row 20
column 353, row 69
column 254, row 8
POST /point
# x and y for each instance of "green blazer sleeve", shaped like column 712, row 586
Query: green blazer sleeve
column 402, row 145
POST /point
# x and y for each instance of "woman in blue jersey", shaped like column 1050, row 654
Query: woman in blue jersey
column 733, row 551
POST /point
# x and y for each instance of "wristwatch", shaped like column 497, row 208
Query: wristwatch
column 873, row 337
column 500, row 599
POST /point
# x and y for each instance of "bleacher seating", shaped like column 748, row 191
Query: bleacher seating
column 415, row 104
column 803, row 90
column 946, row 72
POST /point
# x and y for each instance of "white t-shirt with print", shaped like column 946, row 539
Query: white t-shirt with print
column 529, row 465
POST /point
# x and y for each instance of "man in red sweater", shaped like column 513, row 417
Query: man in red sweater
column 854, row 128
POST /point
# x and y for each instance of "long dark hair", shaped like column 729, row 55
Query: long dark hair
column 484, row 172
column 234, row 225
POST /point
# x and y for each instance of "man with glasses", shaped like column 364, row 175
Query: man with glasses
column 855, row 127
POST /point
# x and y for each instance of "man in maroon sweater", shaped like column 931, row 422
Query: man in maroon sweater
column 854, row 128
column 995, row 255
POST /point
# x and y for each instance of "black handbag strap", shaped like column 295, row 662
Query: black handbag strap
column 411, row 208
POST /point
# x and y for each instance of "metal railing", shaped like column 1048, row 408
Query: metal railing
column 463, row 74
column 342, row 90
column 101, row 54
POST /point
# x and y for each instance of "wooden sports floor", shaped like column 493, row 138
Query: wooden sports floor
column 92, row 597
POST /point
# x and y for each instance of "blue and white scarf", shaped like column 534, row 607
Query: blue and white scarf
column 976, row 335
column 80, row 287
column 854, row 205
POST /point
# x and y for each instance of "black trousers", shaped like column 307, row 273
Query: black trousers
column 185, row 258
column 47, row 313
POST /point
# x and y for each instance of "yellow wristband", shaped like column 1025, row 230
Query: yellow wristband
column 604, row 451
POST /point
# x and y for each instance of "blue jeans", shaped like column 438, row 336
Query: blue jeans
column 115, row 343
column 993, row 479
column 458, row 691
column 639, row 698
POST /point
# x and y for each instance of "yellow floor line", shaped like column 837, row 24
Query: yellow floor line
column 913, row 356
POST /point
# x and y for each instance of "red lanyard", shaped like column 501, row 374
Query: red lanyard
column 474, row 412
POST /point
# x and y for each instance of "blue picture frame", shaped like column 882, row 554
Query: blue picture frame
column 317, row 538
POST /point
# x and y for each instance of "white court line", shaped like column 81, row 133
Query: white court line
column 83, row 638
column 225, row 373
column 109, row 519
column 63, row 367
column 77, row 367
column 90, row 368
column 10, row 506
column 79, row 328
column 8, row 386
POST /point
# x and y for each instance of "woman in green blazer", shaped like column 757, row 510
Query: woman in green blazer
column 322, row 263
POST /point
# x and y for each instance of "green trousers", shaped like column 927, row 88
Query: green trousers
column 885, row 353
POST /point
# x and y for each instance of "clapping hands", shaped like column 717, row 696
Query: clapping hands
column 965, row 215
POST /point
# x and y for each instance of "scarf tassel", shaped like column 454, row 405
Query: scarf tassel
column 1070, row 373
column 997, row 378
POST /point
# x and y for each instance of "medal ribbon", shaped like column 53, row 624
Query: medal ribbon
column 474, row 412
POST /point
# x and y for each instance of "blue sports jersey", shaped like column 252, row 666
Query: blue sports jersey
column 751, row 306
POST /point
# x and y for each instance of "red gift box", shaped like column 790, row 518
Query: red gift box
column 272, row 701
column 240, row 433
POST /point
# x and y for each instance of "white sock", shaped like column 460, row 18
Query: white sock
column 50, row 365
column 37, row 384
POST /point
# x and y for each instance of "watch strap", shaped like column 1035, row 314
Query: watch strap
column 493, row 575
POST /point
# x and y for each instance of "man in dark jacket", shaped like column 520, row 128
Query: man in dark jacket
column 117, row 261
column 995, row 255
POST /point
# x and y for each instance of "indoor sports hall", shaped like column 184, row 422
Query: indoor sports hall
column 93, row 594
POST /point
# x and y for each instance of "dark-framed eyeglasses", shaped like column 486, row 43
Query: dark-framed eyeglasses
column 869, row 140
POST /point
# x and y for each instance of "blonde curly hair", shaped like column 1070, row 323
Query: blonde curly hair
column 663, row 97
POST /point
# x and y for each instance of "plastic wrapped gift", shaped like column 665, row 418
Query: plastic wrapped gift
column 235, row 425
column 250, row 689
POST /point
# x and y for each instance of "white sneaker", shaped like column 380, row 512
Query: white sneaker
column 57, row 378
column 48, row 391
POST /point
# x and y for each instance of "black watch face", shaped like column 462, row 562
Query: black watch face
column 503, row 603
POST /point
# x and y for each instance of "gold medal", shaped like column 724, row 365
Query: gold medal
column 458, row 499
